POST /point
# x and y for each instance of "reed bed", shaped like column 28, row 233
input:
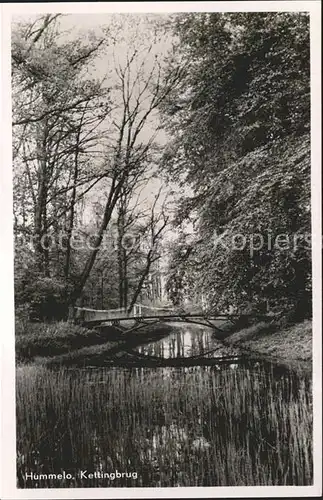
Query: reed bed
column 172, row 427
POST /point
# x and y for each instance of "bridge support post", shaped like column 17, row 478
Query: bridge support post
column 71, row 314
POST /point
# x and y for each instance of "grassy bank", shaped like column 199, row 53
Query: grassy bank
column 198, row 426
column 41, row 340
column 195, row 427
column 69, row 344
column 290, row 346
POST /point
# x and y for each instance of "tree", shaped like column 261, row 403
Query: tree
column 55, row 116
column 151, row 233
column 140, row 89
column 127, row 263
column 239, row 119
column 57, row 111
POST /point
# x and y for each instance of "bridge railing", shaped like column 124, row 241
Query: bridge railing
column 144, row 310
column 84, row 314
column 88, row 314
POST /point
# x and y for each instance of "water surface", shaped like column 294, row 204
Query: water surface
column 241, row 422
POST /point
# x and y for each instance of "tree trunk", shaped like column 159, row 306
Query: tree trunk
column 125, row 277
column 141, row 281
column 40, row 209
column 120, row 267
column 122, row 254
column 110, row 205
column 72, row 213
column 46, row 244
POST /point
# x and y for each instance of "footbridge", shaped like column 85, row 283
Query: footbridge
column 142, row 316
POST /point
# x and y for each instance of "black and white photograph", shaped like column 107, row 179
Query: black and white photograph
column 163, row 217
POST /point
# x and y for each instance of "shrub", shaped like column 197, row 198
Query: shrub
column 48, row 300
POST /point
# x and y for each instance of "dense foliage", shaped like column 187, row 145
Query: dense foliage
column 240, row 125
column 232, row 94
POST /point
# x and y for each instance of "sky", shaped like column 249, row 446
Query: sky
column 80, row 23
column 128, row 35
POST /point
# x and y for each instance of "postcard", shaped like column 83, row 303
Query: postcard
column 161, row 220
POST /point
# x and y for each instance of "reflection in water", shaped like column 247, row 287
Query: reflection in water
column 192, row 426
column 187, row 341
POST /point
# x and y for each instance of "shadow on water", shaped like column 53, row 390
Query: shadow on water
column 243, row 422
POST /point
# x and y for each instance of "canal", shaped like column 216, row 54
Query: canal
column 235, row 422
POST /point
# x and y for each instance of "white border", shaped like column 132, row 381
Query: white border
column 9, row 490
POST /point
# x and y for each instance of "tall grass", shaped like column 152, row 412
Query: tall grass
column 50, row 339
column 65, row 343
column 174, row 427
